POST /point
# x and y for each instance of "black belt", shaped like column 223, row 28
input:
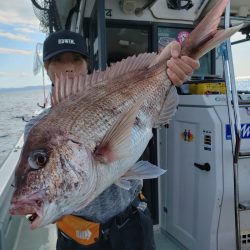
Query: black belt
column 121, row 218
column 117, row 221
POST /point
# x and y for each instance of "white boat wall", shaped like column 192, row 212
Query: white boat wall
column 203, row 202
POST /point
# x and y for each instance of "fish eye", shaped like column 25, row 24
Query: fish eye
column 38, row 159
column 41, row 159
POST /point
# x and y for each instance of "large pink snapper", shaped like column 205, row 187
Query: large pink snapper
column 98, row 128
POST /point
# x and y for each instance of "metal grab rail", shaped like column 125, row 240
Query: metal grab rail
column 244, row 154
column 235, row 125
column 244, row 103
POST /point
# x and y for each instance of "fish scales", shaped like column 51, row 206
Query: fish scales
column 117, row 100
column 98, row 111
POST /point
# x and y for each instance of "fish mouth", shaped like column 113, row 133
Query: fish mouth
column 34, row 219
column 31, row 207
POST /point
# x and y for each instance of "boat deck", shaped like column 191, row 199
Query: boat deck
column 45, row 239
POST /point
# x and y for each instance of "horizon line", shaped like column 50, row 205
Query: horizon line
column 242, row 77
column 26, row 86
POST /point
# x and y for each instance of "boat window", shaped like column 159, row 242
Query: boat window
column 168, row 34
column 123, row 42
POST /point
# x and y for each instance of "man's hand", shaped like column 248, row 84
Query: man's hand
column 179, row 69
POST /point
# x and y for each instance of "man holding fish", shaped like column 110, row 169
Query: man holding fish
column 79, row 165
column 118, row 218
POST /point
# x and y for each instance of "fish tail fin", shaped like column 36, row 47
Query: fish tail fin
column 218, row 38
column 206, row 36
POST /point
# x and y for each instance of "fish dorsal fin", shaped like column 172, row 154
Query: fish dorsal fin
column 65, row 88
column 168, row 108
column 117, row 140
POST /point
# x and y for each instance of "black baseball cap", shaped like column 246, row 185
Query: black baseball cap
column 64, row 41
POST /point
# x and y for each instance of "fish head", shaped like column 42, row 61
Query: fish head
column 54, row 177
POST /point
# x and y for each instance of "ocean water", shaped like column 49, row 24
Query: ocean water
column 243, row 84
column 13, row 106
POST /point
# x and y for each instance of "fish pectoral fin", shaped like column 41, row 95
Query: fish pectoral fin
column 125, row 184
column 117, row 140
column 168, row 108
column 143, row 170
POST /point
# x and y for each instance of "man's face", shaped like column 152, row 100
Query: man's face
column 67, row 63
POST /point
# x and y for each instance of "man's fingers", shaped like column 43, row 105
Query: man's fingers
column 186, row 68
column 195, row 64
column 174, row 78
column 179, row 69
column 175, row 49
column 176, row 66
column 166, row 53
